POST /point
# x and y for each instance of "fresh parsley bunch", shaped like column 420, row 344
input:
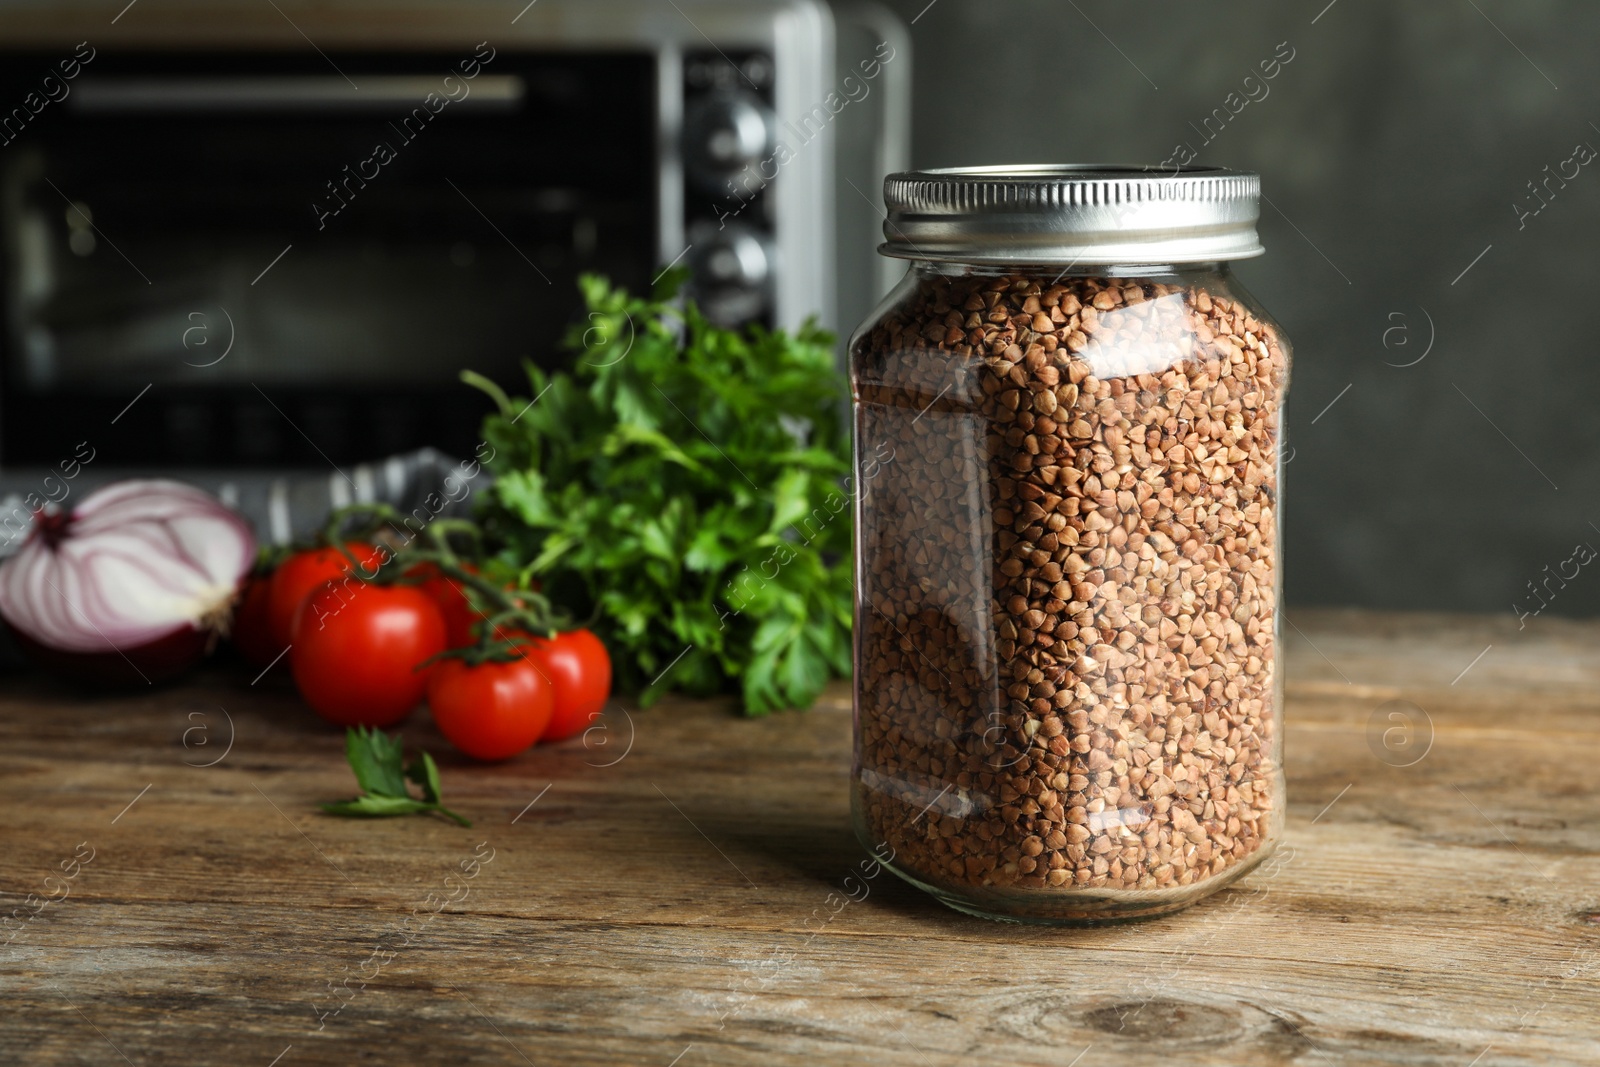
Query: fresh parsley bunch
column 685, row 484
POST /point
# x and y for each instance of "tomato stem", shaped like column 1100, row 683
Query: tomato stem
column 429, row 553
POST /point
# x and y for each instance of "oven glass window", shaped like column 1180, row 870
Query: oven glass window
column 298, row 260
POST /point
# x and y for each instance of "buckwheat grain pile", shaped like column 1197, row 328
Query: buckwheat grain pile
column 1068, row 585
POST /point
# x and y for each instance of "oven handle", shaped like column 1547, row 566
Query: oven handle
column 502, row 92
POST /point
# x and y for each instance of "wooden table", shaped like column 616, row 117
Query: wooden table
column 672, row 895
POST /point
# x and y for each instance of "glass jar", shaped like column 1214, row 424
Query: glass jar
column 1069, row 420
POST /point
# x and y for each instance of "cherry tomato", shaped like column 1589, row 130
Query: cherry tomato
column 299, row 576
column 459, row 614
column 579, row 670
column 252, row 635
column 357, row 651
column 451, row 597
column 490, row 711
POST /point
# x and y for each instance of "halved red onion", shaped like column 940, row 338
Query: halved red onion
column 135, row 583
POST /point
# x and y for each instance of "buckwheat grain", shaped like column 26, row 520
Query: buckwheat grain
column 1067, row 582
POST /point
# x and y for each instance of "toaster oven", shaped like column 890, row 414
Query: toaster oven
column 271, row 235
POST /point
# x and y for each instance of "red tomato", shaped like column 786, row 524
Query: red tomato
column 357, row 648
column 490, row 711
column 299, row 576
column 252, row 635
column 579, row 670
column 452, row 600
column 459, row 614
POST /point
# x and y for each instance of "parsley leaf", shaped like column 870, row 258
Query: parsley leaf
column 425, row 773
column 684, row 485
column 377, row 759
column 370, row 805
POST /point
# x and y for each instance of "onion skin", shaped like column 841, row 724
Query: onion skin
column 133, row 586
column 160, row 660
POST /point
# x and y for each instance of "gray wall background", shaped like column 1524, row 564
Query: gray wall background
column 1397, row 141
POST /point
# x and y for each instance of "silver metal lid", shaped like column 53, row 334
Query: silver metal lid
column 1072, row 213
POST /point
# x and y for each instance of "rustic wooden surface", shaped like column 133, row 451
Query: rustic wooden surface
column 683, row 904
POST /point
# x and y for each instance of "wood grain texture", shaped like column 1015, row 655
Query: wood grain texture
column 675, row 906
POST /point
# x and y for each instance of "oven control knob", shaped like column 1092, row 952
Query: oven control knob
column 733, row 258
column 732, row 271
column 723, row 134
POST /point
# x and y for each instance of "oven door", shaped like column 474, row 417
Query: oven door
column 247, row 259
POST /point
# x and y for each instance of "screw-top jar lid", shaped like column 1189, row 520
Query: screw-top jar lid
column 1072, row 213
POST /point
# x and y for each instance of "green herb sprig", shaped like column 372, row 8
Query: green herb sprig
column 377, row 760
column 684, row 487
